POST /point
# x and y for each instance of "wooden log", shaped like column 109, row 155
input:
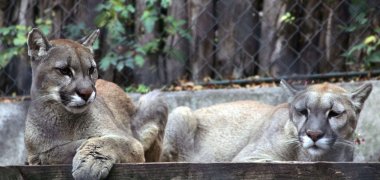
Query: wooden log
column 283, row 170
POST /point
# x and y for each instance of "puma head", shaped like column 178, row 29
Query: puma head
column 64, row 71
column 325, row 115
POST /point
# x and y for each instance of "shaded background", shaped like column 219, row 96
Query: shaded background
column 157, row 43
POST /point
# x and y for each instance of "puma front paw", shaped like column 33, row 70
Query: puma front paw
column 88, row 163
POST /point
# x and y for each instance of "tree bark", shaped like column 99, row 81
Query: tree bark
column 175, row 60
column 334, row 40
column 312, row 25
column 16, row 75
column 148, row 74
column 237, row 36
column 277, row 55
column 23, row 11
column 202, row 24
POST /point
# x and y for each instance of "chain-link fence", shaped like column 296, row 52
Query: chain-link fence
column 161, row 42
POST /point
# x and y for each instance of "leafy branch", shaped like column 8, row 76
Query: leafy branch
column 13, row 38
column 118, row 18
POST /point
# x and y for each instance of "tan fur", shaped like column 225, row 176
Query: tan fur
column 67, row 125
column 252, row 131
column 326, row 87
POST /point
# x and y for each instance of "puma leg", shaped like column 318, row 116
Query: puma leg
column 148, row 124
column 61, row 154
column 179, row 135
column 95, row 157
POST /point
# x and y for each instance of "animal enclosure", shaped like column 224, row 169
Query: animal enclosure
column 163, row 42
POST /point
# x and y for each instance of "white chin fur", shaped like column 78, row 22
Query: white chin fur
column 315, row 152
column 76, row 110
column 76, row 101
column 322, row 146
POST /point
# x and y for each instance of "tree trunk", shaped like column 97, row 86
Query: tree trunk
column 237, row 38
column 277, row 55
column 202, row 24
column 85, row 13
column 312, row 25
column 334, row 40
column 3, row 6
column 16, row 75
column 147, row 74
column 22, row 13
column 178, row 46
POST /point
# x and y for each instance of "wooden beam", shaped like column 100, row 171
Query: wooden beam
column 288, row 170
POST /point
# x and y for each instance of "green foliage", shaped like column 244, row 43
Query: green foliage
column 288, row 18
column 141, row 88
column 114, row 16
column 174, row 26
column 75, row 31
column 118, row 19
column 368, row 49
column 359, row 11
column 149, row 18
column 13, row 38
column 124, row 47
column 78, row 31
column 44, row 25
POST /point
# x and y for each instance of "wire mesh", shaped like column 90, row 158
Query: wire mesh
column 204, row 41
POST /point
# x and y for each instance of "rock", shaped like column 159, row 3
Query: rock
column 12, row 124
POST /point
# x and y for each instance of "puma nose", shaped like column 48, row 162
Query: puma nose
column 314, row 135
column 84, row 93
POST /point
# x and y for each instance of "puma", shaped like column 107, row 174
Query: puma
column 75, row 118
column 317, row 124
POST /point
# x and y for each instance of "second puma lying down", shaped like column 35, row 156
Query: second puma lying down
column 317, row 124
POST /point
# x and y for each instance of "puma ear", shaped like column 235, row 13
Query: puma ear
column 290, row 90
column 89, row 40
column 38, row 45
column 360, row 95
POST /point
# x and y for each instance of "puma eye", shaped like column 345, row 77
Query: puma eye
column 303, row 112
column 91, row 70
column 65, row 71
column 333, row 114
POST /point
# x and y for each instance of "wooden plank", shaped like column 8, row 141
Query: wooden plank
column 37, row 172
column 298, row 170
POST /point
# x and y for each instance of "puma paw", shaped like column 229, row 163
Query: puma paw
column 91, row 167
column 34, row 160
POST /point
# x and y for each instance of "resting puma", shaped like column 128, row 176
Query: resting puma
column 317, row 124
column 75, row 118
